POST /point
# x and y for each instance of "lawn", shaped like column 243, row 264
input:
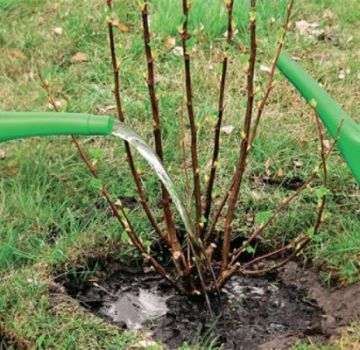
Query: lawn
column 51, row 212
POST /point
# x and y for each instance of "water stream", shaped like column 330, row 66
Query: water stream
column 127, row 134
column 124, row 132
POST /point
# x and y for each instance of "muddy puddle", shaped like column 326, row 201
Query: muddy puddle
column 270, row 312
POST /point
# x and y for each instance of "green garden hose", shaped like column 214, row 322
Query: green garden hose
column 16, row 125
column 336, row 120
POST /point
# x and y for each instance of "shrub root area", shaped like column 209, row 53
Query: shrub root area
column 269, row 312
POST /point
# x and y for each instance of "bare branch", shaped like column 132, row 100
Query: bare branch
column 220, row 207
column 177, row 252
column 284, row 204
column 129, row 156
column 216, row 148
column 192, row 121
column 240, row 169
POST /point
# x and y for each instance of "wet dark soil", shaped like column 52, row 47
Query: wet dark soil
column 269, row 312
column 291, row 184
column 253, row 311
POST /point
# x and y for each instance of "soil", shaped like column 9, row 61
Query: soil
column 340, row 305
column 269, row 312
column 253, row 311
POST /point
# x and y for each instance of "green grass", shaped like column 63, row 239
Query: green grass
column 209, row 18
column 50, row 214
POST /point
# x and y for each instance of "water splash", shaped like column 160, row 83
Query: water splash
column 136, row 307
column 124, row 132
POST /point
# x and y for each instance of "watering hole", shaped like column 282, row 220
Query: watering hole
column 270, row 312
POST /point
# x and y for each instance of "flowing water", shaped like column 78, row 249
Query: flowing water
column 136, row 307
column 127, row 134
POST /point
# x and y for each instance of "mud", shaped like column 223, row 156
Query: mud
column 253, row 312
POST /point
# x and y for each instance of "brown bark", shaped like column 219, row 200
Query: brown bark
column 216, row 148
column 192, row 121
column 284, row 204
column 177, row 252
column 129, row 156
column 240, row 169
column 258, row 116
